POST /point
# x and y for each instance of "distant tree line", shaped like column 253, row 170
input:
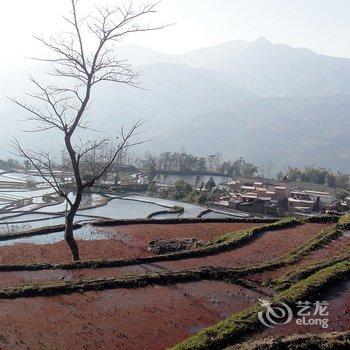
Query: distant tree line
column 14, row 165
column 239, row 167
column 182, row 191
column 10, row 164
column 316, row 175
column 185, row 162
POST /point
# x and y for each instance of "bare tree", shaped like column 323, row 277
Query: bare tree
column 64, row 106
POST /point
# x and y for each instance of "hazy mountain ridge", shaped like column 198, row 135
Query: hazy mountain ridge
column 171, row 94
column 308, row 123
column 267, row 102
column 263, row 68
column 283, row 131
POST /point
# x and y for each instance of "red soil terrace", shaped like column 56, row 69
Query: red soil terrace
column 331, row 251
column 268, row 246
column 131, row 319
column 127, row 241
column 154, row 317
column 265, row 248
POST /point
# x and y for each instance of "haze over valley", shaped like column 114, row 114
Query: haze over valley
column 263, row 101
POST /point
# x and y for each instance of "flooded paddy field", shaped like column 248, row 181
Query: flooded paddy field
column 26, row 206
column 149, row 318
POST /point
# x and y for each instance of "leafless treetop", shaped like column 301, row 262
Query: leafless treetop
column 80, row 59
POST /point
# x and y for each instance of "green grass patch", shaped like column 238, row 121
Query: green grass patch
column 344, row 222
column 323, row 219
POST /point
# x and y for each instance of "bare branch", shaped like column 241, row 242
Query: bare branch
column 64, row 105
column 126, row 137
column 42, row 162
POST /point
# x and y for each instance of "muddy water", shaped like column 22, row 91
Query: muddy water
column 85, row 233
column 117, row 208
column 144, row 318
column 346, row 233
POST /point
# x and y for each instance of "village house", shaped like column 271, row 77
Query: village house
column 307, row 201
column 256, row 197
column 275, row 197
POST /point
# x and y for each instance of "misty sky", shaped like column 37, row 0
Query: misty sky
column 322, row 25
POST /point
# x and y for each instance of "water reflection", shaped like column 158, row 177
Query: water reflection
column 85, row 233
column 136, row 207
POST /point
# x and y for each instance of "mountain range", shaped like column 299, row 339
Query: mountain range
column 270, row 103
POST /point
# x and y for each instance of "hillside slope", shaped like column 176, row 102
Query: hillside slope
column 285, row 131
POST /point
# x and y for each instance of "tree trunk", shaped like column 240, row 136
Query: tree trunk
column 69, row 237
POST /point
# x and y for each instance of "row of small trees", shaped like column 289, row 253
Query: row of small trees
column 316, row 175
column 10, row 164
column 186, row 162
column 182, row 191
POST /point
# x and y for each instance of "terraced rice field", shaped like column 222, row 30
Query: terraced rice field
column 206, row 297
